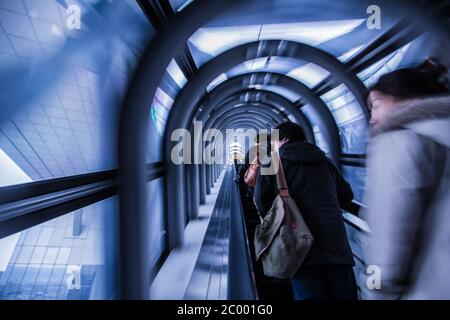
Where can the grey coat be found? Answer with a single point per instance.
(408, 198)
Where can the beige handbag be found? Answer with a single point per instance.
(282, 240)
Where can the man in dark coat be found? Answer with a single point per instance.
(320, 192)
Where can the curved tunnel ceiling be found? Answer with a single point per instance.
(316, 109)
(279, 102)
(190, 94)
(276, 100)
(237, 102)
(247, 110)
(255, 95)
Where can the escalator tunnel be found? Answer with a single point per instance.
(172, 221)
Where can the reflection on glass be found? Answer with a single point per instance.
(370, 75)
(179, 5)
(349, 117)
(60, 259)
(355, 176)
(286, 93)
(156, 227)
(11, 173)
(310, 74)
(221, 78)
(61, 87)
(160, 109)
(320, 140)
(354, 136)
(175, 72)
(350, 53)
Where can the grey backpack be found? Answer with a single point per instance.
(282, 240)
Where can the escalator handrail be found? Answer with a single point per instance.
(240, 215)
(27, 205)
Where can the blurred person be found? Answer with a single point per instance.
(319, 191)
(408, 185)
(255, 154)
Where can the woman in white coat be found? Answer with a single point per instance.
(408, 183)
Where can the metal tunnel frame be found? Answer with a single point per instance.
(183, 108)
(244, 108)
(276, 100)
(233, 106)
(236, 101)
(134, 275)
(318, 110)
(201, 176)
(196, 171)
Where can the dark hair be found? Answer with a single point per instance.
(429, 78)
(265, 137)
(290, 131)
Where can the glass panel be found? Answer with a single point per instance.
(179, 5)
(312, 33)
(288, 94)
(175, 72)
(210, 42)
(310, 74)
(355, 176)
(350, 119)
(221, 78)
(334, 93)
(349, 54)
(216, 40)
(354, 136)
(61, 121)
(385, 65)
(157, 231)
(55, 261)
(320, 140)
(160, 109)
(11, 172)
(278, 64)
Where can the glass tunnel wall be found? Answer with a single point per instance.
(66, 124)
(66, 127)
(62, 121)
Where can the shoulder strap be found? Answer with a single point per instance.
(281, 179)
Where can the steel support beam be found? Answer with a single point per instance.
(134, 233)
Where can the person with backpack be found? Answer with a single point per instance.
(319, 191)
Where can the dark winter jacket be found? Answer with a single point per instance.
(319, 191)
